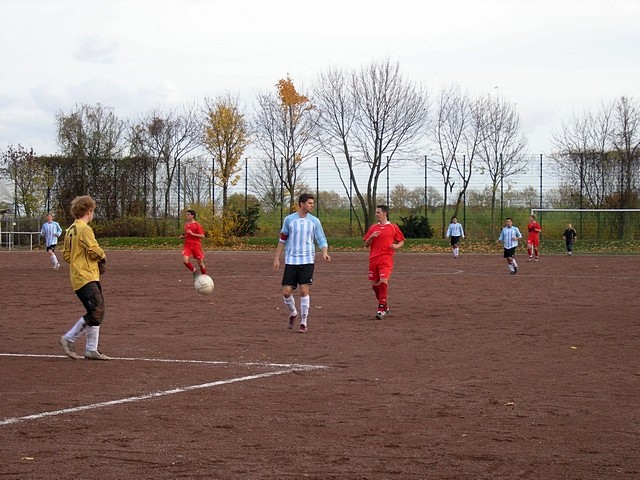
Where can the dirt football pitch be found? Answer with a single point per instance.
(475, 374)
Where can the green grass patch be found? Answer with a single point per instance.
(354, 244)
(141, 243)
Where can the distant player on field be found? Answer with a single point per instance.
(299, 233)
(570, 236)
(455, 233)
(382, 239)
(509, 237)
(51, 231)
(533, 240)
(193, 235)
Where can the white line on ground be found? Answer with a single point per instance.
(290, 369)
(168, 360)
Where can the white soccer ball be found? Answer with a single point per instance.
(204, 284)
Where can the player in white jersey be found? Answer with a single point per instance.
(51, 231)
(298, 236)
(455, 232)
(509, 237)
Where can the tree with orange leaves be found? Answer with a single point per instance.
(226, 136)
(285, 127)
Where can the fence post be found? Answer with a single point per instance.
(388, 202)
(317, 188)
(246, 189)
(426, 200)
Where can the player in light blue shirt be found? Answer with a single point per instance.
(509, 237)
(455, 233)
(51, 231)
(298, 236)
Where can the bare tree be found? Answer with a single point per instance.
(147, 142)
(434, 198)
(132, 186)
(284, 128)
(29, 175)
(337, 105)
(582, 156)
(502, 146)
(407, 200)
(369, 116)
(196, 186)
(457, 131)
(600, 152)
(525, 198)
(479, 198)
(92, 140)
(625, 139)
(329, 201)
(264, 182)
(165, 139)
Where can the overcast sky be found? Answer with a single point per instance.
(550, 58)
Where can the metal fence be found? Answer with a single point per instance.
(19, 240)
(321, 174)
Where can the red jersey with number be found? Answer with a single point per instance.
(390, 233)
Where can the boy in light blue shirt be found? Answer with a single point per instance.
(298, 236)
(509, 237)
(51, 231)
(455, 232)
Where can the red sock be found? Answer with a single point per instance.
(529, 250)
(376, 290)
(383, 294)
(190, 267)
(204, 270)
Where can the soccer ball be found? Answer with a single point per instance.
(204, 284)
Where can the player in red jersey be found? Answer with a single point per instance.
(382, 239)
(533, 240)
(193, 235)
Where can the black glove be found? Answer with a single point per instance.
(102, 265)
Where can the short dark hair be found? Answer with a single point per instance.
(384, 208)
(304, 197)
(508, 218)
(192, 212)
(453, 218)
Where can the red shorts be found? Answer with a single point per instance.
(194, 251)
(534, 240)
(380, 267)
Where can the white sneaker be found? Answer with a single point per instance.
(69, 348)
(56, 266)
(95, 355)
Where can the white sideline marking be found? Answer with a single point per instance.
(168, 360)
(53, 413)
